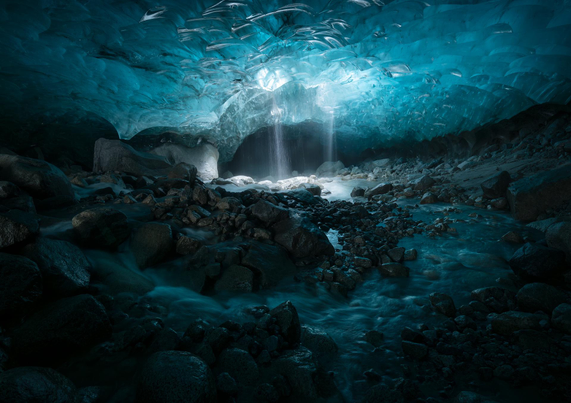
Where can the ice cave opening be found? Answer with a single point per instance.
(269, 201)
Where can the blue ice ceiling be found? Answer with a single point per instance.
(372, 70)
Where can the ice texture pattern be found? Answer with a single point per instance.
(223, 69)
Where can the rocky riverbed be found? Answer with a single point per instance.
(397, 280)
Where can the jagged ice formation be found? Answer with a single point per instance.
(373, 70)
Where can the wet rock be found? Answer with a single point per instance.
(396, 254)
(410, 255)
(115, 155)
(187, 245)
(204, 157)
(229, 203)
(269, 213)
(8, 189)
(509, 322)
(561, 318)
(358, 192)
(240, 365)
(226, 384)
(176, 376)
(17, 227)
(270, 263)
(20, 285)
(151, 243)
(317, 340)
(416, 351)
(423, 183)
(116, 277)
(363, 262)
(443, 304)
(329, 168)
(380, 189)
(394, 270)
(287, 319)
(101, 227)
(184, 171)
(61, 328)
(497, 299)
(532, 196)
(558, 236)
(236, 278)
(374, 338)
(512, 237)
(429, 198)
(64, 267)
(539, 297)
(40, 179)
(535, 262)
(302, 238)
(303, 374)
(496, 186)
(36, 385)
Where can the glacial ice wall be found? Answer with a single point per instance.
(372, 70)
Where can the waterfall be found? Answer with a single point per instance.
(331, 141)
(281, 169)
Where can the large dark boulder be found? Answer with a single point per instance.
(240, 365)
(176, 377)
(380, 189)
(236, 278)
(287, 319)
(101, 227)
(115, 155)
(64, 267)
(497, 185)
(40, 179)
(269, 213)
(539, 297)
(530, 197)
(20, 284)
(558, 236)
(270, 263)
(16, 227)
(512, 321)
(534, 262)
(151, 243)
(423, 183)
(36, 385)
(204, 157)
(302, 238)
(60, 329)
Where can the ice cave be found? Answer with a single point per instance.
(250, 201)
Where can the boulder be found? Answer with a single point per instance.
(204, 157)
(186, 245)
(380, 189)
(20, 285)
(429, 198)
(240, 365)
(269, 213)
(302, 238)
(497, 299)
(40, 179)
(539, 297)
(329, 168)
(174, 377)
(236, 278)
(530, 197)
(317, 340)
(17, 227)
(151, 243)
(375, 338)
(534, 262)
(60, 329)
(8, 190)
(561, 318)
(36, 385)
(496, 186)
(509, 322)
(416, 351)
(115, 155)
(101, 227)
(358, 192)
(185, 171)
(443, 303)
(270, 263)
(63, 265)
(423, 183)
(558, 236)
(394, 270)
(287, 319)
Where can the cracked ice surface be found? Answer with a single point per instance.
(375, 70)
